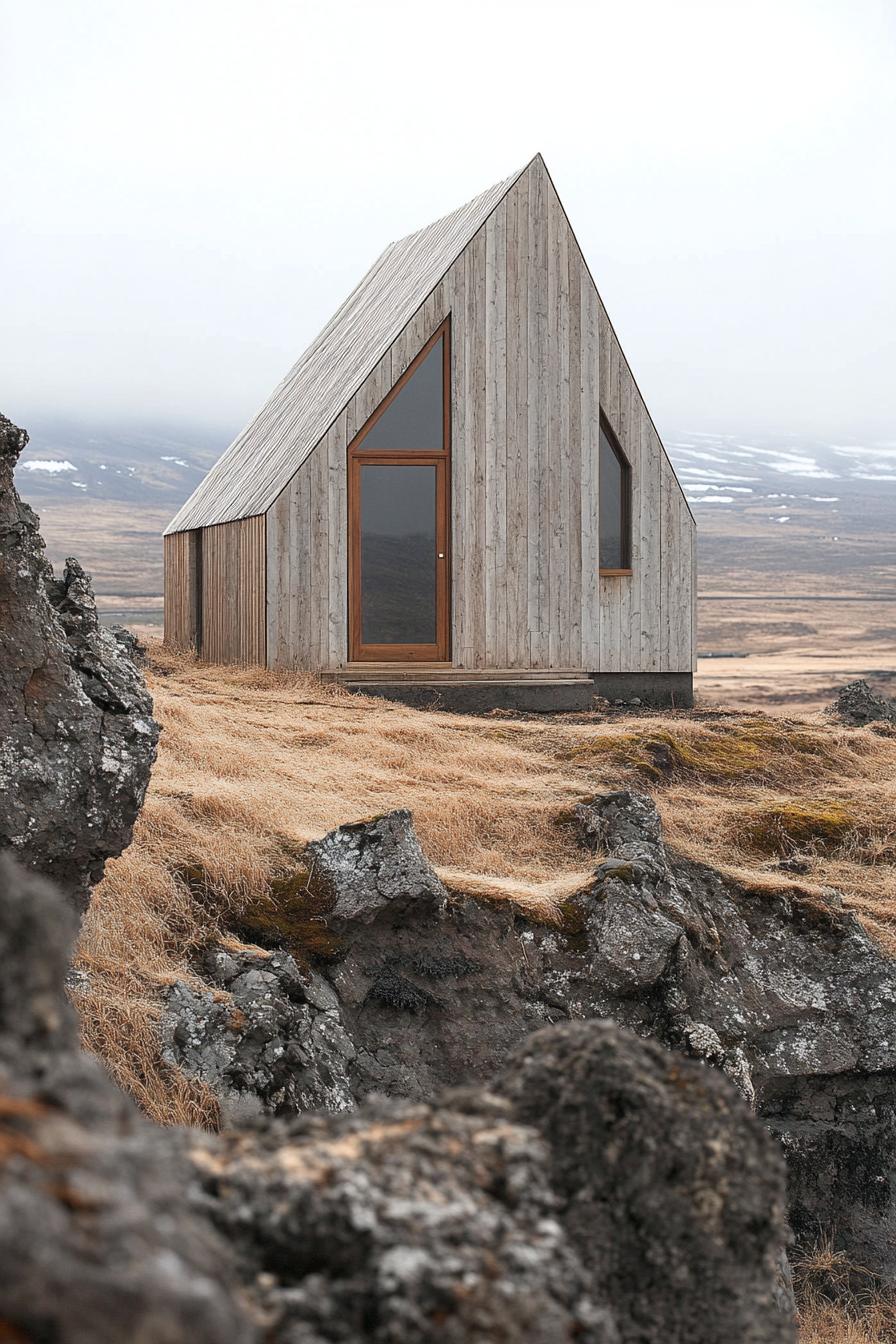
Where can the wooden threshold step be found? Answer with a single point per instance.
(446, 685)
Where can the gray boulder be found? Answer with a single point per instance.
(856, 704)
(77, 737)
(366, 867)
(403, 1224)
(670, 1190)
(274, 1037)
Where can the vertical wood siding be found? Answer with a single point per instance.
(534, 359)
(647, 620)
(233, 592)
(182, 594)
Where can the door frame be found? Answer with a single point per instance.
(440, 651)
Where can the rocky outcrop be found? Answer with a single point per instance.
(857, 705)
(785, 994)
(98, 1242)
(274, 1041)
(613, 1193)
(77, 737)
(368, 867)
(476, 1216)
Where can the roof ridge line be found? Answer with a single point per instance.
(289, 414)
(506, 182)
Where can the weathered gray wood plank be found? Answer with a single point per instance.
(589, 400)
(475, 540)
(539, 614)
(517, 424)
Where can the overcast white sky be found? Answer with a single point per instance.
(191, 188)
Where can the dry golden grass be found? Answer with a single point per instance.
(252, 765)
(839, 1302)
(871, 1321)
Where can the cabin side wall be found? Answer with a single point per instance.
(648, 618)
(182, 590)
(215, 591)
(533, 360)
(234, 592)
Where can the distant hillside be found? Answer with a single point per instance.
(150, 466)
(779, 513)
(106, 492)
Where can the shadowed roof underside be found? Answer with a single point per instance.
(263, 458)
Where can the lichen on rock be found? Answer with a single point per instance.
(273, 1038)
(77, 736)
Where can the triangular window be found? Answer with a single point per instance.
(412, 417)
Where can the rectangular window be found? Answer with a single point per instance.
(399, 527)
(615, 490)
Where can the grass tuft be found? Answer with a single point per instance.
(839, 1302)
(757, 750)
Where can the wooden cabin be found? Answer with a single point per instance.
(457, 494)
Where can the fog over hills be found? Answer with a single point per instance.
(154, 464)
(143, 465)
(791, 513)
(776, 512)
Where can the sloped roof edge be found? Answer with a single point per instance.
(251, 473)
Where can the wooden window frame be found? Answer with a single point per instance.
(357, 457)
(625, 570)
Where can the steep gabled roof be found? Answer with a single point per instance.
(263, 458)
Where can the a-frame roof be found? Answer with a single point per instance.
(263, 458)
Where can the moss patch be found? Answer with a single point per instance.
(287, 915)
(756, 749)
(293, 917)
(782, 828)
(572, 923)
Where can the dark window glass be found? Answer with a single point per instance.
(398, 555)
(413, 419)
(614, 487)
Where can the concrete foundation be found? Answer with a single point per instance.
(669, 689)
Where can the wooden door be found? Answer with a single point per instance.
(399, 490)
